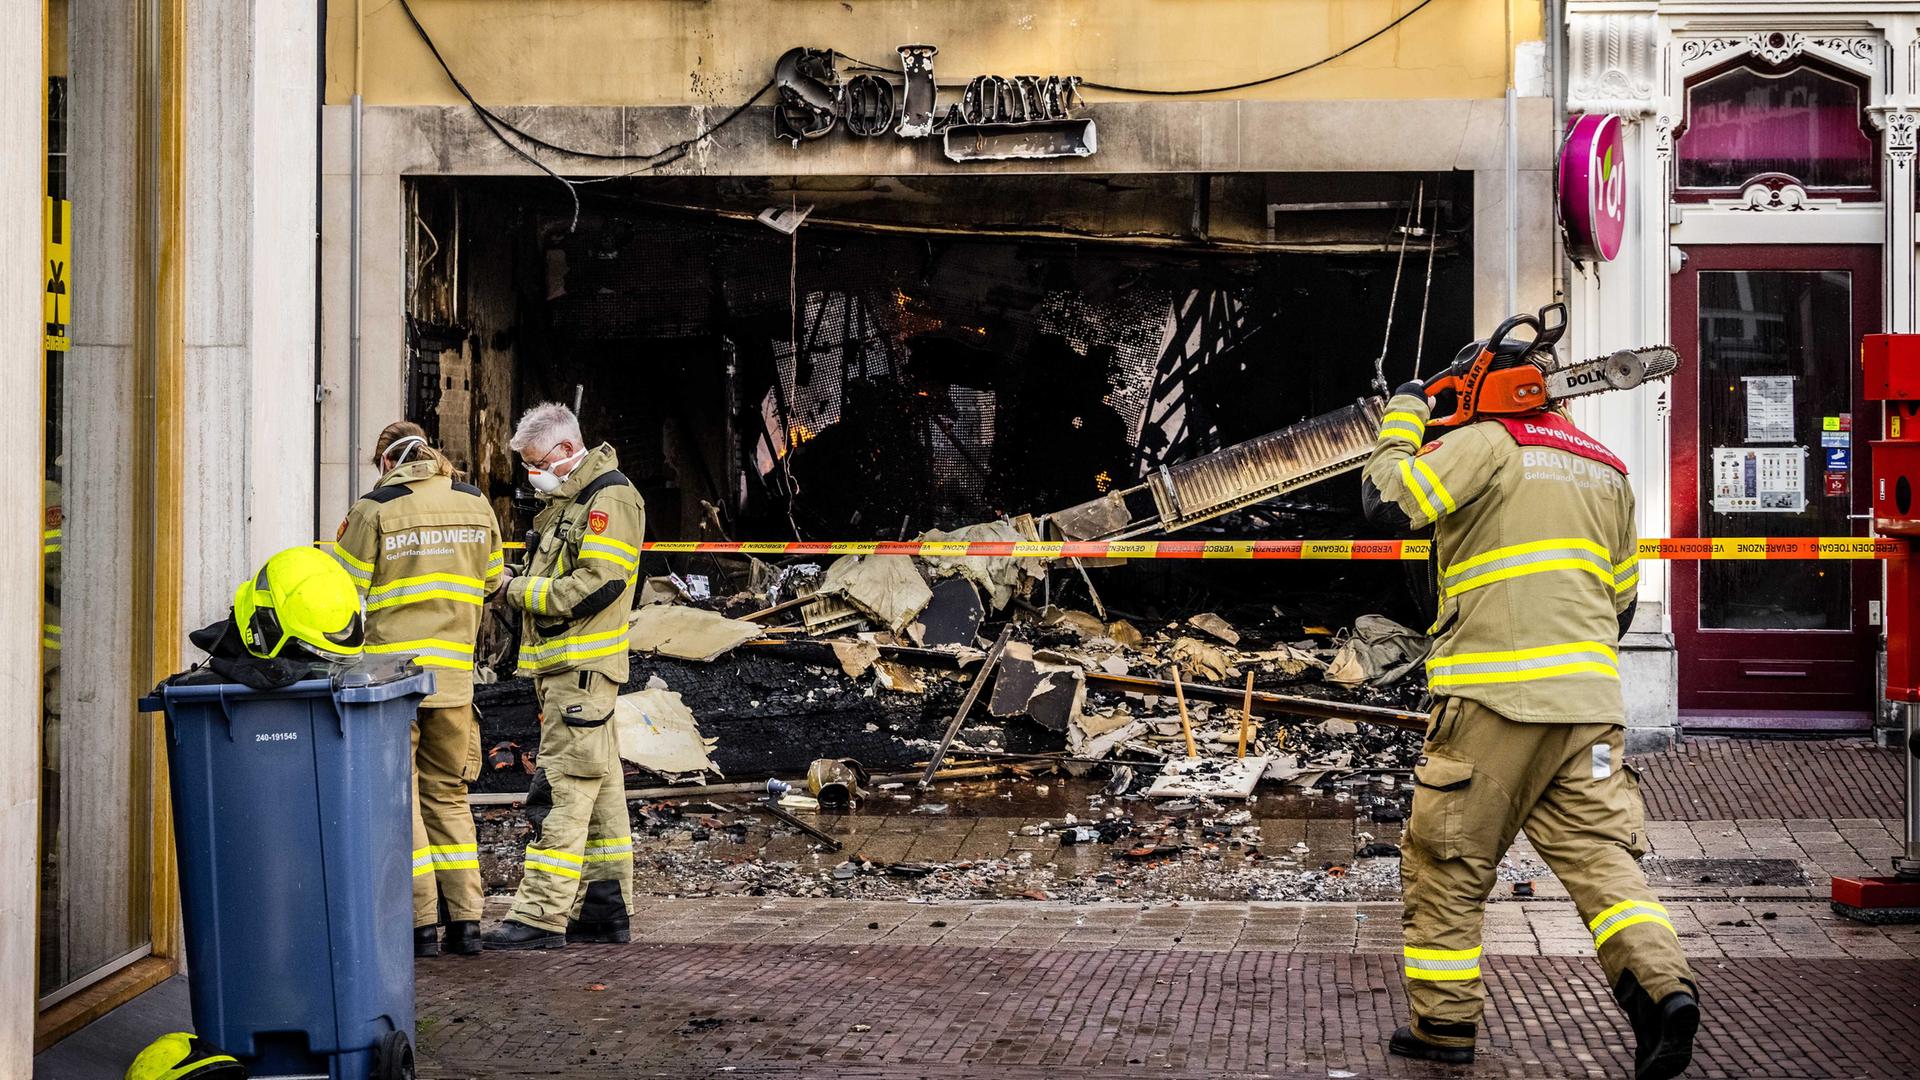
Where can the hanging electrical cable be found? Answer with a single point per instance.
(1301, 70)
(497, 126)
(1426, 295)
(1393, 298)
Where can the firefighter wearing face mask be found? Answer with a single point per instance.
(1537, 563)
(577, 593)
(424, 549)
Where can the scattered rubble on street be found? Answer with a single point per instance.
(1240, 752)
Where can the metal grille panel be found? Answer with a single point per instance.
(1259, 469)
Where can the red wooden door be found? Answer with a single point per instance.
(1770, 335)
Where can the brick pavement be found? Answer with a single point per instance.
(926, 1011)
(1706, 778)
(1802, 929)
(854, 989)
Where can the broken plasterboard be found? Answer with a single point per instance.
(887, 587)
(999, 575)
(1051, 694)
(1219, 778)
(1201, 661)
(657, 732)
(1100, 735)
(686, 633)
(952, 617)
(1208, 622)
(855, 656)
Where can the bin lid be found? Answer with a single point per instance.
(355, 686)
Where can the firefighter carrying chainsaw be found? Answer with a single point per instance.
(1536, 564)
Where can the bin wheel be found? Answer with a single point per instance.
(393, 1057)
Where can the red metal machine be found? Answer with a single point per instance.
(1890, 369)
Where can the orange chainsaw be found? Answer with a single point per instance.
(1510, 374)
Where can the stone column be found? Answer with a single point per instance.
(250, 206)
(1614, 57)
(1899, 127)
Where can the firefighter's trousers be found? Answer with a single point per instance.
(585, 837)
(1482, 778)
(446, 860)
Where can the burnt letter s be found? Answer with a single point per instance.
(808, 91)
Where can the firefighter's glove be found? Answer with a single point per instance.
(506, 574)
(1416, 388)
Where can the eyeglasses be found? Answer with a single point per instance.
(544, 464)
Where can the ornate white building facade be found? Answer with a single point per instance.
(1770, 223)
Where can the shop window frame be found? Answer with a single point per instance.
(1871, 192)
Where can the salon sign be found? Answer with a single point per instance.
(1593, 187)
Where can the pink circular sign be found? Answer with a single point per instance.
(1593, 187)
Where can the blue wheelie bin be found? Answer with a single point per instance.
(293, 823)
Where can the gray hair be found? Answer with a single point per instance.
(544, 425)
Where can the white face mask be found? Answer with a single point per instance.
(547, 481)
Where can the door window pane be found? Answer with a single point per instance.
(95, 831)
(1804, 123)
(1775, 364)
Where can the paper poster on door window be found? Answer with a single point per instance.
(1769, 408)
(1759, 481)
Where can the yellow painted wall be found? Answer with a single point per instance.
(668, 52)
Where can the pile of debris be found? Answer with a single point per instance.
(888, 845)
(881, 647)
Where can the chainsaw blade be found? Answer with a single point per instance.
(1622, 370)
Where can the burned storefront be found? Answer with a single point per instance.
(752, 347)
(891, 357)
(825, 295)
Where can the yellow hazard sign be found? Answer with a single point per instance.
(58, 272)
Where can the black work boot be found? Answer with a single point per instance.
(1408, 1043)
(603, 917)
(463, 938)
(426, 941)
(518, 935)
(1663, 1031)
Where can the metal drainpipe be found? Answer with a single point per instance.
(319, 260)
(1557, 59)
(353, 310)
(1513, 167)
(353, 255)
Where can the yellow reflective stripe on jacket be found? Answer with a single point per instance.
(625, 556)
(50, 542)
(1403, 425)
(1519, 560)
(413, 590)
(1419, 493)
(1441, 965)
(611, 849)
(361, 572)
(558, 863)
(1523, 665)
(1626, 573)
(583, 647)
(1627, 913)
(1432, 495)
(495, 562)
(431, 652)
(454, 856)
(49, 636)
(1439, 490)
(422, 862)
(536, 594)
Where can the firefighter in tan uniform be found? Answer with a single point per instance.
(1537, 564)
(575, 597)
(424, 550)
